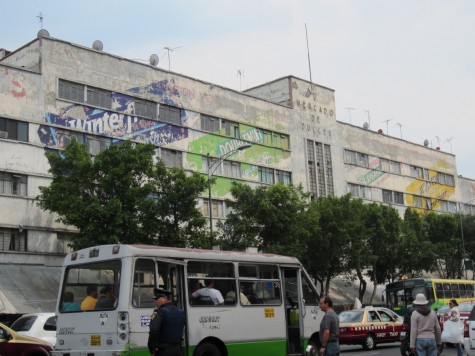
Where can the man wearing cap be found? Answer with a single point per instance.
(166, 326)
(425, 328)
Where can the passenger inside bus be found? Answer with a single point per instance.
(209, 291)
(231, 297)
(68, 302)
(106, 299)
(89, 303)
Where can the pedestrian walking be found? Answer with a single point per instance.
(329, 329)
(425, 328)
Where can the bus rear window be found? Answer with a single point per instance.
(91, 286)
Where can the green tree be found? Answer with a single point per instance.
(267, 217)
(331, 246)
(383, 230)
(113, 197)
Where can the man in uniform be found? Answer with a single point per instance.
(166, 326)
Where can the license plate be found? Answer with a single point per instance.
(403, 333)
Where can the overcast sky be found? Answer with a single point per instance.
(411, 62)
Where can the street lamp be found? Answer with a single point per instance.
(461, 231)
(211, 169)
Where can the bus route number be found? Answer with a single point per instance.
(95, 340)
(269, 313)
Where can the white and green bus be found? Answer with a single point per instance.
(283, 316)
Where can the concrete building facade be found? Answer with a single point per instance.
(52, 92)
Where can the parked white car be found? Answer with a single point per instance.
(39, 325)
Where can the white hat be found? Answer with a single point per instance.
(420, 300)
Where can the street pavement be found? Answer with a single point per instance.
(391, 349)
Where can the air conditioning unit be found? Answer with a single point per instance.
(3, 134)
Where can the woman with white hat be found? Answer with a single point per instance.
(425, 328)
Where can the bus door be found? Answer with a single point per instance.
(150, 273)
(303, 313)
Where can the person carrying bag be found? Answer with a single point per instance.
(453, 328)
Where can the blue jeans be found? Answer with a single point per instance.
(426, 347)
(459, 349)
(332, 349)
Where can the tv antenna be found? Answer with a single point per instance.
(449, 140)
(349, 112)
(308, 54)
(400, 128)
(369, 119)
(240, 74)
(170, 49)
(387, 125)
(40, 18)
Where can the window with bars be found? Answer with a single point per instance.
(169, 114)
(350, 157)
(362, 159)
(398, 198)
(232, 169)
(216, 206)
(230, 128)
(359, 191)
(71, 91)
(266, 175)
(99, 97)
(13, 240)
(328, 170)
(416, 172)
(65, 137)
(145, 108)
(209, 123)
(13, 184)
(320, 169)
(283, 177)
(97, 144)
(171, 158)
(387, 196)
(13, 129)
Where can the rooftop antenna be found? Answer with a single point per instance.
(349, 112)
(449, 140)
(400, 128)
(387, 125)
(369, 119)
(170, 49)
(240, 73)
(40, 18)
(308, 54)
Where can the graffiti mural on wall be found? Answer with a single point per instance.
(15, 84)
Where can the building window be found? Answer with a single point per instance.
(99, 97)
(209, 123)
(385, 166)
(216, 206)
(359, 191)
(97, 144)
(350, 157)
(449, 180)
(362, 159)
(443, 178)
(171, 158)
(416, 172)
(230, 128)
(417, 201)
(266, 137)
(170, 114)
(13, 184)
(266, 175)
(146, 108)
(13, 129)
(283, 177)
(280, 140)
(398, 198)
(395, 167)
(71, 91)
(65, 137)
(387, 196)
(425, 174)
(12, 240)
(232, 169)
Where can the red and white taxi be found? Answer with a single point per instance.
(369, 326)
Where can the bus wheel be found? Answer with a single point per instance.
(369, 343)
(207, 350)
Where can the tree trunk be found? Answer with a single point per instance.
(375, 284)
(362, 286)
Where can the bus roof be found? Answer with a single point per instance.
(434, 280)
(102, 252)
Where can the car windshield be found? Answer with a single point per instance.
(350, 316)
(24, 323)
